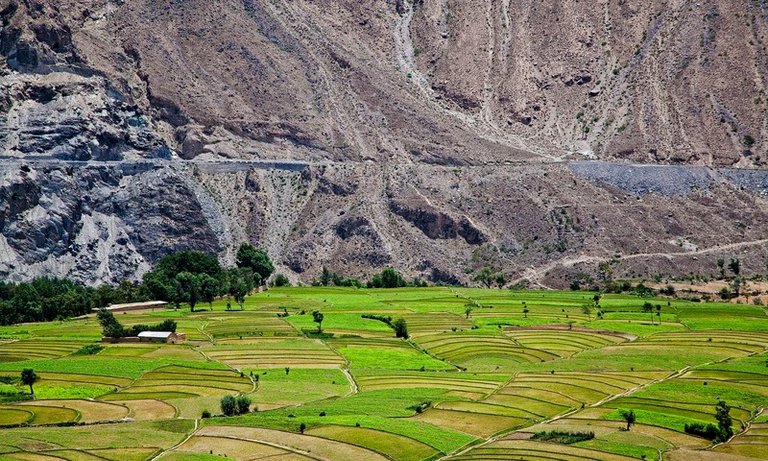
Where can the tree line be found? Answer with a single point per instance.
(187, 277)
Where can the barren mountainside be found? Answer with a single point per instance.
(432, 136)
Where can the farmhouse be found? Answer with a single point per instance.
(161, 337)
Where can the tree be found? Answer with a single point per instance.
(485, 276)
(256, 260)
(209, 289)
(401, 328)
(110, 327)
(735, 266)
(240, 284)
(302, 427)
(228, 405)
(390, 278)
(525, 310)
(629, 417)
(317, 317)
(648, 308)
(724, 421)
(29, 378)
(468, 308)
(587, 310)
(243, 404)
(187, 289)
(501, 280)
(281, 280)
(721, 267)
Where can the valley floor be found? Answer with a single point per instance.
(482, 376)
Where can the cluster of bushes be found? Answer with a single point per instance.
(191, 277)
(328, 278)
(561, 437)
(45, 299)
(231, 406)
(112, 328)
(720, 433)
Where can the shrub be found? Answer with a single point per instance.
(401, 328)
(206, 414)
(228, 405)
(90, 349)
(566, 438)
(281, 280)
(243, 404)
(708, 431)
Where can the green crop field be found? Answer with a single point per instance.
(474, 384)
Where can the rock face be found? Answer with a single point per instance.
(435, 136)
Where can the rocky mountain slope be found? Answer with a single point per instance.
(433, 136)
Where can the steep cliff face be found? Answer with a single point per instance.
(430, 135)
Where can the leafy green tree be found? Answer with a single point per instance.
(501, 280)
(401, 328)
(187, 289)
(110, 327)
(318, 317)
(241, 283)
(281, 280)
(724, 420)
(525, 310)
(735, 266)
(468, 308)
(485, 276)
(228, 405)
(243, 404)
(648, 309)
(629, 417)
(29, 378)
(256, 260)
(390, 278)
(302, 427)
(209, 289)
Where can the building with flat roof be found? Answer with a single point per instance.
(161, 337)
(134, 306)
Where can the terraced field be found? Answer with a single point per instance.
(37, 349)
(478, 385)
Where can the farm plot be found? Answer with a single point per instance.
(286, 442)
(277, 388)
(534, 451)
(564, 343)
(173, 381)
(89, 411)
(420, 324)
(274, 353)
(40, 414)
(37, 349)
(673, 413)
(247, 324)
(129, 441)
(480, 352)
(391, 445)
(729, 343)
(542, 395)
(386, 354)
(466, 386)
(753, 443)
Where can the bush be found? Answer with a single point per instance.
(206, 414)
(281, 280)
(228, 405)
(401, 328)
(565, 438)
(708, 431)
(91, 349)
(243, 404)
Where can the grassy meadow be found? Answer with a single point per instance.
(468, 384)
